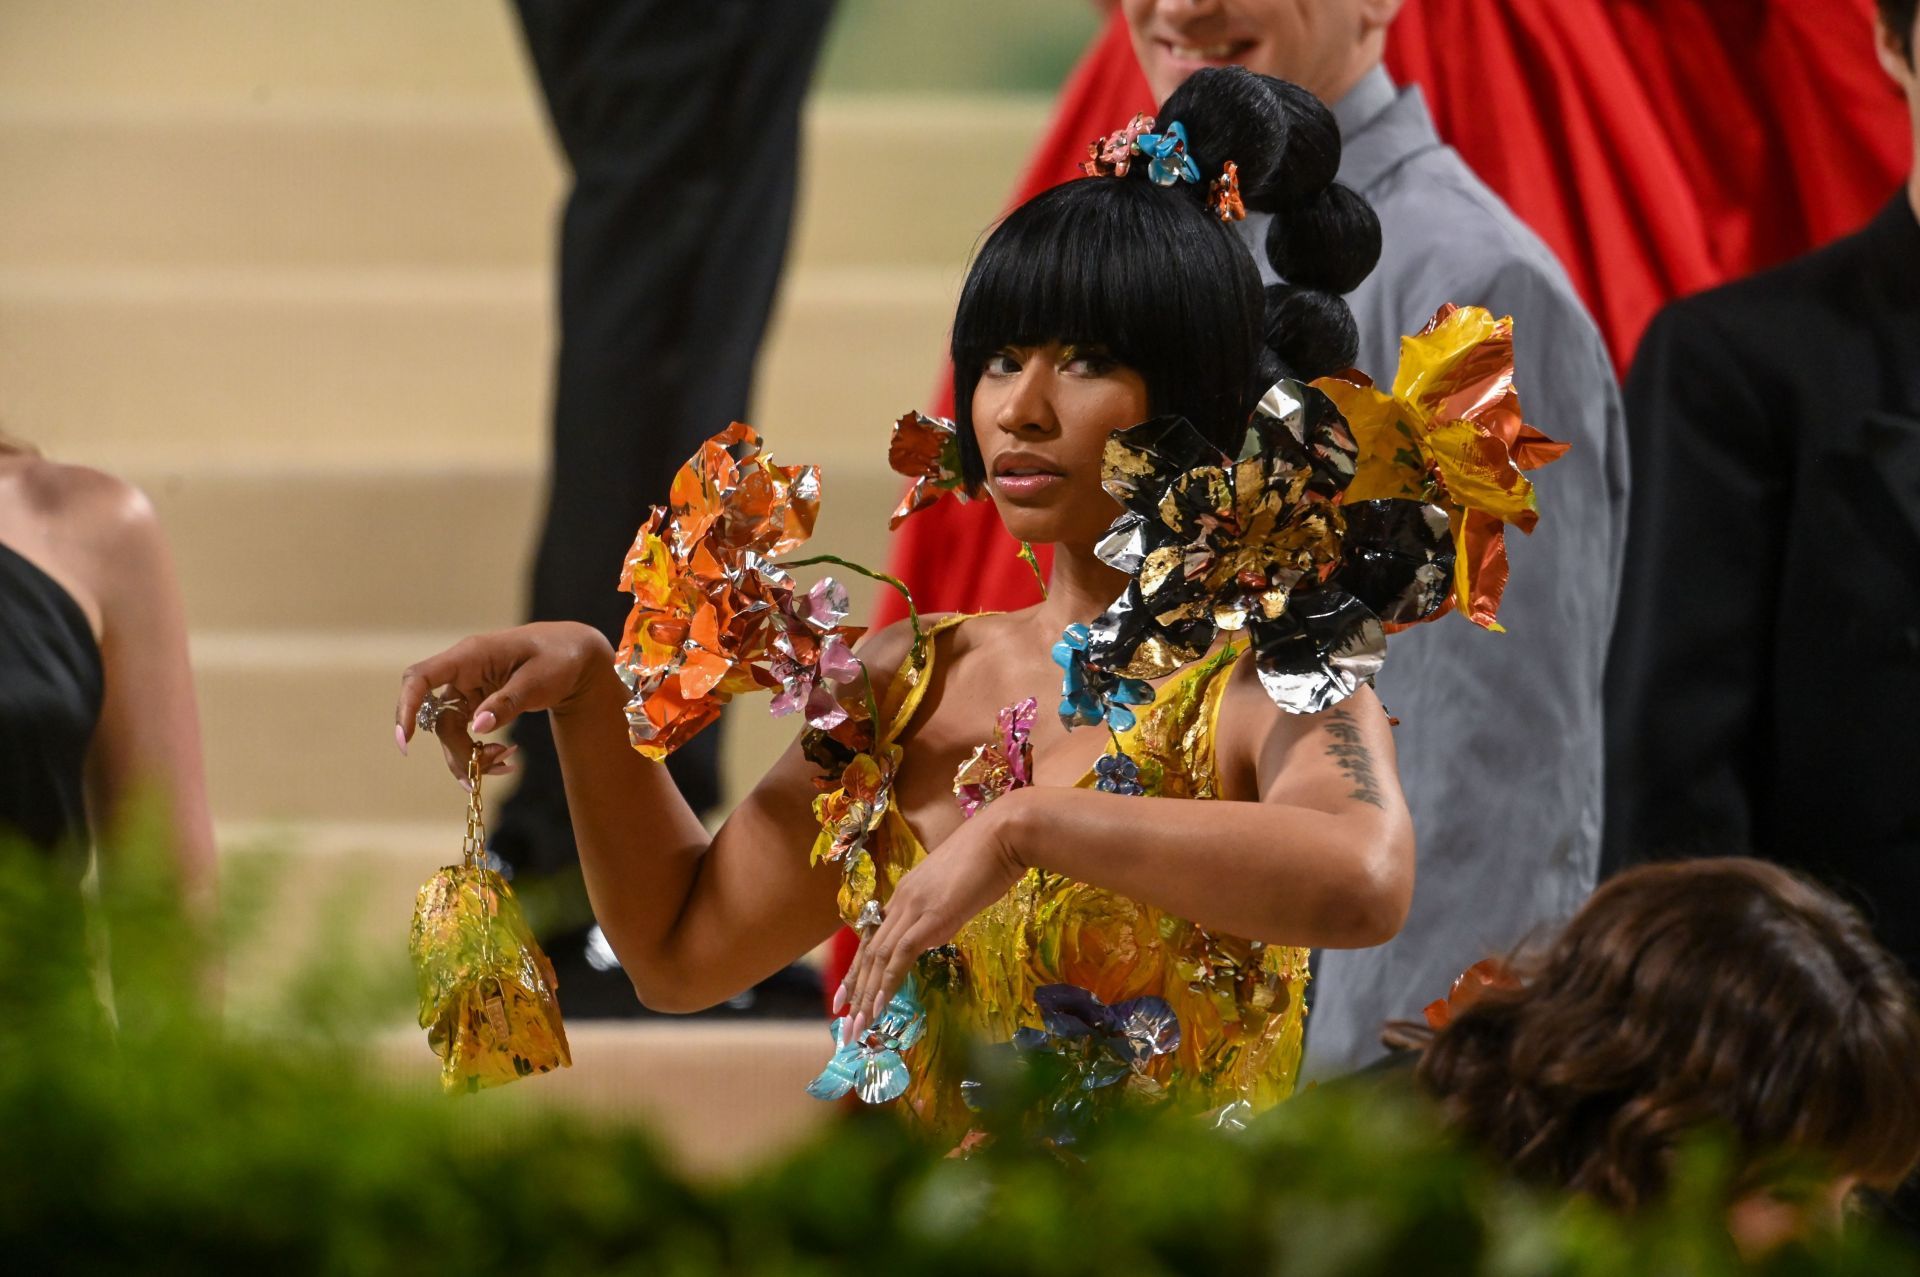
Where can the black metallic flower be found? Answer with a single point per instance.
(1262, 543)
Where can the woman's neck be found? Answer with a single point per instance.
(1080, 588)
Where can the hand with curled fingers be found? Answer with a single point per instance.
(933, 901)
(484, 682)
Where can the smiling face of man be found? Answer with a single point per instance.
(1323, 45)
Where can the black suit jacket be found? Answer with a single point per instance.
(1763, 691)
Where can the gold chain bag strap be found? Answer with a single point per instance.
(487, 992)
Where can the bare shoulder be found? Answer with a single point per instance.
(884, 650)
(105, 535)
(1259, 741)
(93, 509)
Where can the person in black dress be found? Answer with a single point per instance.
(97, 711)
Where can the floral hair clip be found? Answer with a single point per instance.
(1223, 195)
(1167, 156)
(1112, 155)
(1168, 162)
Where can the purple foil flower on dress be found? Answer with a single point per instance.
(1118, 774)
(1001, 767)
(1105, 1043)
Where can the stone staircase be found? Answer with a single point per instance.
(287, 265)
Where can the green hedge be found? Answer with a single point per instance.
(167, 1145)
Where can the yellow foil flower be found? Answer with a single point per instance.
(1451, 433)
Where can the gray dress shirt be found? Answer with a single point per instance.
(1499, 742)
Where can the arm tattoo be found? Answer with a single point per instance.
(1353, 758)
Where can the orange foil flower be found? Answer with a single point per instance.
(1451, 433)
(927, 451)
(1472, 984)
(705, 595)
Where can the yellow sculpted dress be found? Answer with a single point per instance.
(1238, 1002)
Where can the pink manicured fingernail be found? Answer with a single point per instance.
(484, 722)
(840, 998)
(858, 1027)
(467, 785)
(400, 738)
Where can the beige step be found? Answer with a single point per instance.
(721, 1097)
(348, 183)
(289, 547)
(128, 368)
(298, 727)
(358, 182)
(304, 895)
(249, 49)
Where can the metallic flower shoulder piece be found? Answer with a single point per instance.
(1451, 434)
(1266, 543)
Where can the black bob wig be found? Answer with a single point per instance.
(1152, 277)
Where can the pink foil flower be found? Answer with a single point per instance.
(1001, 767)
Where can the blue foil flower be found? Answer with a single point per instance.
(874, 1067)
(1090, 695)
(1106, 1042)
(1117, 774)
(1168, 161)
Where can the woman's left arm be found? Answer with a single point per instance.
(1319, 853)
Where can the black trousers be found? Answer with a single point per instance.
(682, 126)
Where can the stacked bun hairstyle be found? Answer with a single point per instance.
(1154, 278)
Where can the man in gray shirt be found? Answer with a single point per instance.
(1500, 734)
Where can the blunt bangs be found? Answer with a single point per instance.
(1143, 273)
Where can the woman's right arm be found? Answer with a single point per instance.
(694, 918)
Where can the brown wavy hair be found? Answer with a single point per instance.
(1727, 995)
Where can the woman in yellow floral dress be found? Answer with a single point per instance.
(1138, 896)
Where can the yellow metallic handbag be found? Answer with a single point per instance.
(487, 992)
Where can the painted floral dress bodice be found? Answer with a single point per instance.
(1238, 1002)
